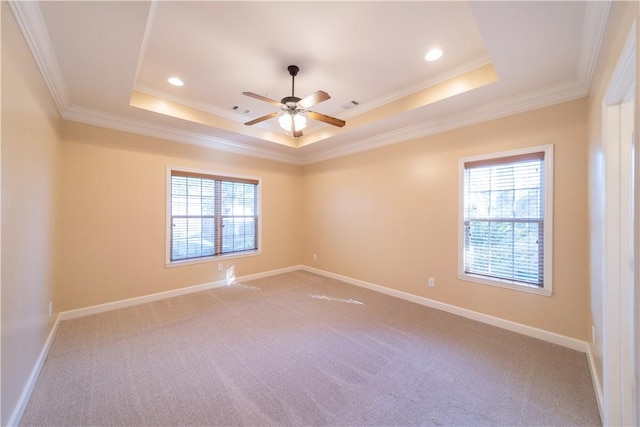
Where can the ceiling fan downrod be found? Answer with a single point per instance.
(292, 100)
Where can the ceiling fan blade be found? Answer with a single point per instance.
(263, 98)
(313, 99)
(326, 119)
(263, 118)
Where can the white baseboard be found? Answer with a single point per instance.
(495, 321)
(18, 411)
(269, 273)
(597, 386)
(94, 309)
(101, 308)
(529, 331)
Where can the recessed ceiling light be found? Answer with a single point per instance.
(175, 81)
(433, 55)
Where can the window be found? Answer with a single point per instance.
(506, 219)
(211, 215)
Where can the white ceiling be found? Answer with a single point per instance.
(107, 64)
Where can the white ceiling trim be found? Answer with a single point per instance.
(384, 100)
(145, 39)
(551, 95)
(93, 117)
(194, 104)
(346, 114)
(529, 101)
(31, 23)
(595, 24)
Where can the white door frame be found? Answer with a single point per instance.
(620, 307)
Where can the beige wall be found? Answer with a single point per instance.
(83, 212)
(30, 154)
(114, 215)
(390, 217)
(621, 18)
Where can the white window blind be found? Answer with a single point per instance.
(504, 218)
(212, 215)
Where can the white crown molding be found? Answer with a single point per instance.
(564, 92)
(533, 100)
(31, 23)
(93, 117)
(346, 113)
(593, 30)
(623, 76)
(190, 103)
(552, 95)
(220, 112)
(406, 91)
(145, 38)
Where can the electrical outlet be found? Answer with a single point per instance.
(315, 257)
(432, 282)
(50, 308)
(220, 267)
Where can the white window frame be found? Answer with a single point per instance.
(168, 261)
(547, 288)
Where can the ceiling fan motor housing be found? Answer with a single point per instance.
(290, 101)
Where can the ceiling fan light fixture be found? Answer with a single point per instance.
(286, 119)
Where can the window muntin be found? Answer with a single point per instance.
(211, 215)
(506, 205)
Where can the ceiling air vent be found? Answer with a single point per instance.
(240, 109)
(350, 104)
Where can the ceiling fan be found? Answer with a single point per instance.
(294, 110)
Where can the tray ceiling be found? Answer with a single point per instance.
(107, 64)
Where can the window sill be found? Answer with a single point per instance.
(506, 284)
(219, 258)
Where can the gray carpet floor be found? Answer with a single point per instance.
(301, 349)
